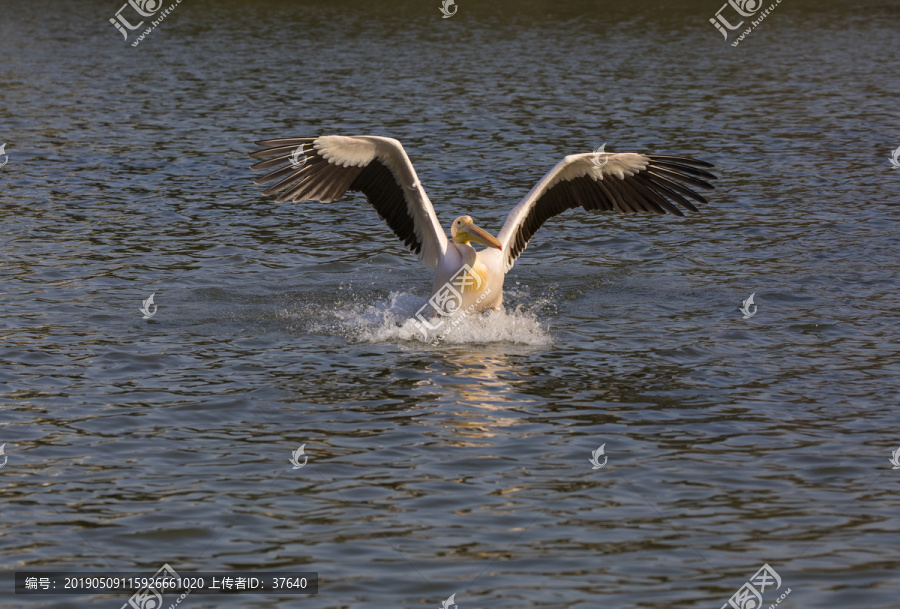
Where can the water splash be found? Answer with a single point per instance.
(391, 319)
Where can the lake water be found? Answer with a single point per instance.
(461, 468)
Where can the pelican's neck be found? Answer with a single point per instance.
(468, 253)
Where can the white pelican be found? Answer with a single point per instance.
(380, 169)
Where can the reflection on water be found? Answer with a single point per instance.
(477, 384)
(463, 467)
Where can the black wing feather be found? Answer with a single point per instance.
(318, 179)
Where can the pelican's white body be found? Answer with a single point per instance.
(487, 264)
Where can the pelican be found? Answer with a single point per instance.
(379, 168)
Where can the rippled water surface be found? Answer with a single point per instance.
(461, 468)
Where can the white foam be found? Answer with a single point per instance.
(393, 319)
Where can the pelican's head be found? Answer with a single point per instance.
(464, 230)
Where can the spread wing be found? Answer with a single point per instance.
(627, 183)
(326, 167)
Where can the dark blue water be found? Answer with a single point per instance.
(462, 468)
